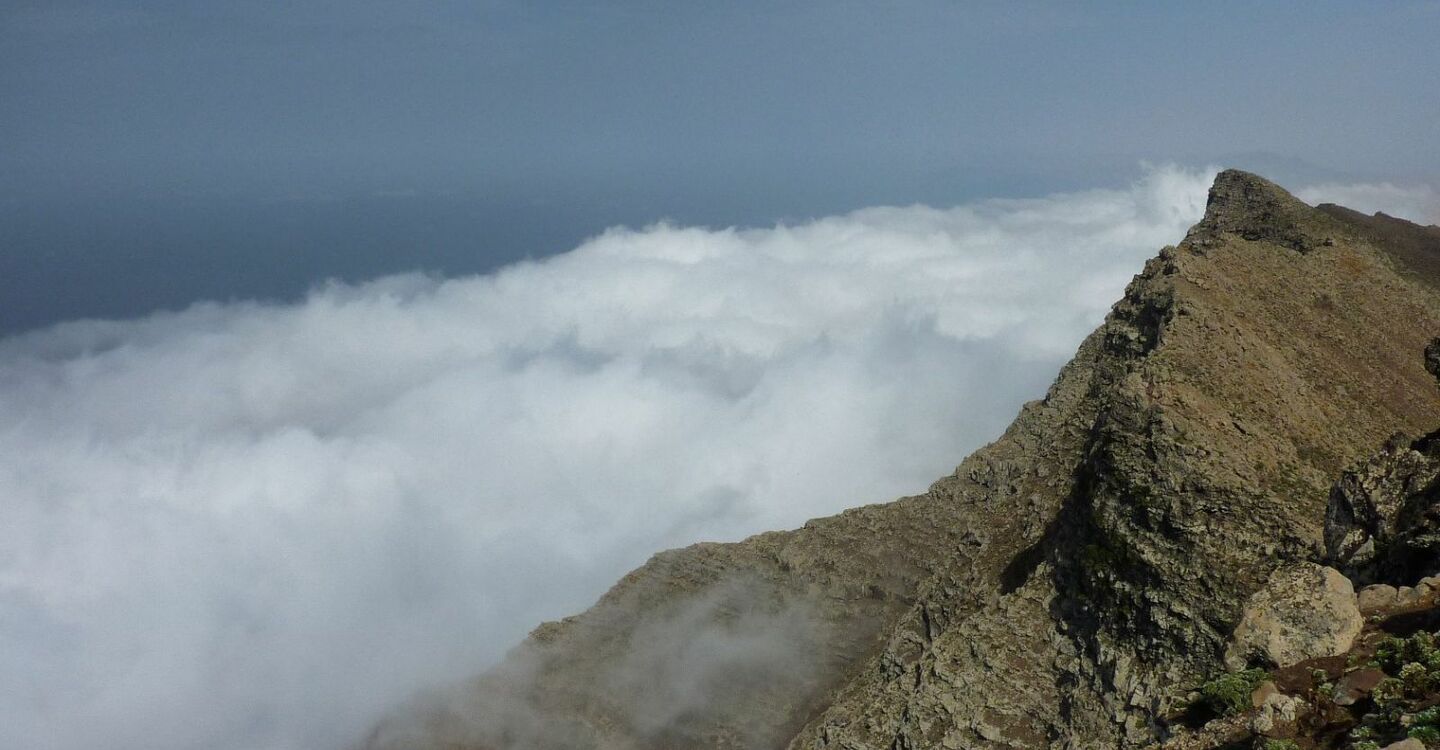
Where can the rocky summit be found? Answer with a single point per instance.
(1187, 514)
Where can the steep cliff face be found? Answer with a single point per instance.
(1069, 581)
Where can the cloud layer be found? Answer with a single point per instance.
(252, 525)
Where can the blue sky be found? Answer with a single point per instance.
(161, 152)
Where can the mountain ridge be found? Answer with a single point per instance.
(1063, 584)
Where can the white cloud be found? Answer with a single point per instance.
(260, 526)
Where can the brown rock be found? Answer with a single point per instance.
(1409, 743)
(1356, 685)
(1303, 611)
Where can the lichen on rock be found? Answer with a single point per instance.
(1304, 611)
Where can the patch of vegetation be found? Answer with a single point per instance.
(1417, 678)
(1388, 691)
(1427, 734)
(1428, 717)
(1403, 703)
(1394, 654)
(1229, 694)
(1280, 745)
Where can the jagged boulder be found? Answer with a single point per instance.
(1383, 519)
(1302, 612)
(1381, 523)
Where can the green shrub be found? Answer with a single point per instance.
(1388, 691)
(1394, 654)
(1428, 717)
(1230, 693)
(1416, 678)
(1280, 745)
(1366, 745)
(1426, 734)
(1389, 654)
(1420, 647)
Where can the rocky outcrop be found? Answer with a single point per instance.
(1383, 519)
(1064, 581)
(1254, 210)
(1357, 672)
(1383, 690)
(1304, 611)
(1383, 523)
(1354, 671)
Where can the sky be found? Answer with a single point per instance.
(156, 153)
(343, 343)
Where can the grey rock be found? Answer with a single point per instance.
(1278, 711)
(1376, 598)
(1262, 693)
(1382, 522)
(1302, 612)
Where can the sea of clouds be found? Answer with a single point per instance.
(263, 525)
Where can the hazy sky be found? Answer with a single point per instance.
(158, 152)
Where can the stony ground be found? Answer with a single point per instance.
(1382, 690)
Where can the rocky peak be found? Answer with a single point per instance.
(1256, 209)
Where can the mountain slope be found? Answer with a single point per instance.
(1068, 579)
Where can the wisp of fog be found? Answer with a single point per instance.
(264, 525)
